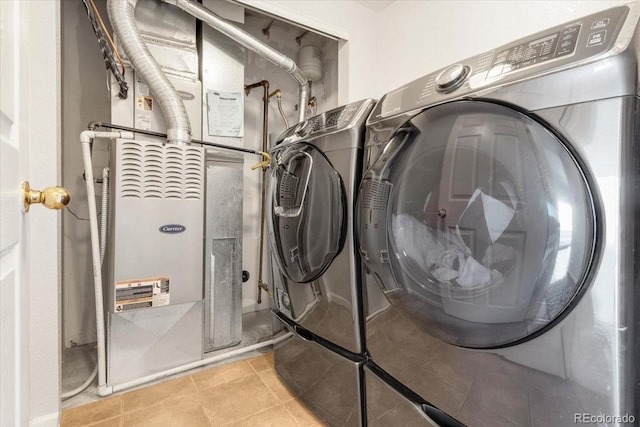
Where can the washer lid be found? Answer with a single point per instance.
(478, 221)
(306, 207)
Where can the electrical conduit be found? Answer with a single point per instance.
(104, 210)
(121, 15)
(205, 15)
(86, 139)
(103, 246)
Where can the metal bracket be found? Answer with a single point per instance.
(266, 29)
(299, 38)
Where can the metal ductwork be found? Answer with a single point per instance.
(121, 15)
(247, 40)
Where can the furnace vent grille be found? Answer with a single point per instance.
(160, 171)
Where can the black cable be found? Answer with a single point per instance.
(79, 218)
(107, 52)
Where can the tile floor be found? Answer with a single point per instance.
(79, 361)
(243, 393)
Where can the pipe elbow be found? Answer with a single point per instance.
(86, 136)
(104, 390)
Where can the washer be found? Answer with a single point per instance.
(314, 176)
(497, 221)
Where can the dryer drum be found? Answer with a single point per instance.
(488, 224)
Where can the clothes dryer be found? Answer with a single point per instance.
(315, 172)
(498, 218)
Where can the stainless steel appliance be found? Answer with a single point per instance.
(498, 224)
(315, 172)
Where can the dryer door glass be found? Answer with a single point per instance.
(489, 229)
(307, 212)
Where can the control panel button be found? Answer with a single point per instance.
(568, 40)
(451, 77)
(494, 71)
(600, 23)
(597, 38)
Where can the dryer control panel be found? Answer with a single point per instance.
(569, 45)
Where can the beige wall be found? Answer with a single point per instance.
(348, 20)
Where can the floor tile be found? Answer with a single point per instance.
(274, 417)
(156, 394)
(182, 411)
(245, 393)
(303, 415)
(235, 400)
(262, 363)
(222, 374)
(277, 387)
(111, 422)
(473, 413)
(92, 413)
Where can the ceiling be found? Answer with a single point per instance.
(375, 5)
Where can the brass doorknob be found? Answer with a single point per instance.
(50, 197)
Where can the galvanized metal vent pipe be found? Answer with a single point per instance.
(250, 42)
(121, 15)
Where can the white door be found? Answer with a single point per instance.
(29, 265)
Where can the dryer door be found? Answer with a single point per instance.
(478, 222)
(307, 212)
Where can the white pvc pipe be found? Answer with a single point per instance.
(103, 246)
(192, 365)
(85, 138)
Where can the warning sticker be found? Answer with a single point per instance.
(143, 121)
(143, 293)
(144, 103)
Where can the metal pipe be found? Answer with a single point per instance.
(265, 147)
(121, 15)
(93, 125)
(278, 95)
(250, 42)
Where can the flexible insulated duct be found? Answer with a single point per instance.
(247, 40)
(121, 15)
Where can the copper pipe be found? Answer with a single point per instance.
(265, 136)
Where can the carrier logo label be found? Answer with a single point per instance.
(172, 228)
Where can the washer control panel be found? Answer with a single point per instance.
(451, 77)
(572, 44)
